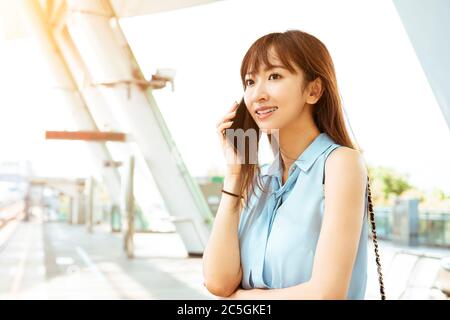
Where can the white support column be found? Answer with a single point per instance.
(90, 189)
(107, 56)
(129, 207)
(27, 203)
(427, 24)
(81, 213)
(75, 209)
(105, 121)
(67, 91)
(70, 210)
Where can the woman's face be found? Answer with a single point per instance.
(274, 96)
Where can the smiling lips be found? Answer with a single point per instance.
(265, 112)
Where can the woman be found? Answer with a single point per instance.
(283, 231)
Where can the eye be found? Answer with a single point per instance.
(275, 74)
(248, 82)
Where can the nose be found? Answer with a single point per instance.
(259, 92)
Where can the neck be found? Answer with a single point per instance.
(295, 138)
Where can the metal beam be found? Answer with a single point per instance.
(86, 136)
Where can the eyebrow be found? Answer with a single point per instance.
(267, 69)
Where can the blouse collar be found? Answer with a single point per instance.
(306, 159)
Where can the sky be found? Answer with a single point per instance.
(389, 103)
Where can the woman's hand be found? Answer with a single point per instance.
(243, 294)
(237, 295)
(233, 166)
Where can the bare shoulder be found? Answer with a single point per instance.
(344, 162)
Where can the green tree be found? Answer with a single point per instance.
(390, 182)
(441, 194)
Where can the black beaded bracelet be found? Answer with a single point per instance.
(232, 194)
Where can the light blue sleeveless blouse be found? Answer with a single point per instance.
(279, 230)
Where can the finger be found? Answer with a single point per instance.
(229, 116)
(230, 111)
(226, 118)
(234, 106)
(224, 126)
(221, 120)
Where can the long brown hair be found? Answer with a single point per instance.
(311, 56)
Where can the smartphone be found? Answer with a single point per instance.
(241, 116)
(243, 120)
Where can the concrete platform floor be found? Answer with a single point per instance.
(55, 260)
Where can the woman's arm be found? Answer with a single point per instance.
(221, 259)
(345, 184)
(304, 291)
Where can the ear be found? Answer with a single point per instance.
(315, 91)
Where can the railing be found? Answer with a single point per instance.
(434, 227)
